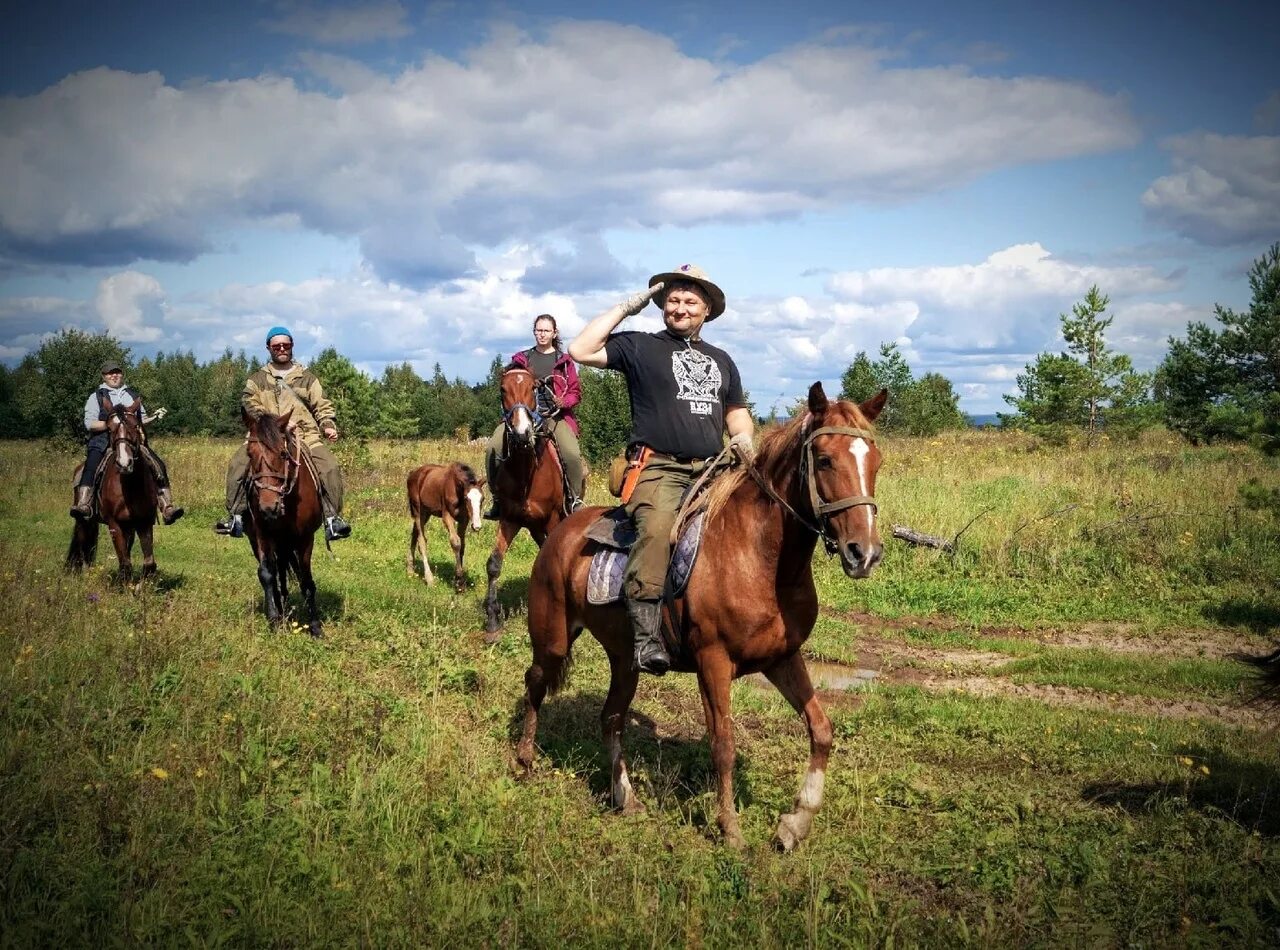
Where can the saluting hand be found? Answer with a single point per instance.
(637, 302)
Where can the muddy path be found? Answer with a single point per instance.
(1112, 637)
(882, 660)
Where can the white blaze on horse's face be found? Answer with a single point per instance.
(861, 452)
(522, 422)
(474, 498)
(124, 456)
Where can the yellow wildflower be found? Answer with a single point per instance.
(159, 773)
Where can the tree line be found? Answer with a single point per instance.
(1218, 383)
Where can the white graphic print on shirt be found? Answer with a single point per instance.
(698, 377)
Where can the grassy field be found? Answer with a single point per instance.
(1048, 746)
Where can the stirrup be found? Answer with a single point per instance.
(492, 514)
(233, 527)
(172, 514)
(335, 529)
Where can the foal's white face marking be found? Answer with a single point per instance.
(474, 496)
(860, 449)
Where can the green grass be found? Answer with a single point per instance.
(173, 772)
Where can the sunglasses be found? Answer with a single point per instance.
(280, 346)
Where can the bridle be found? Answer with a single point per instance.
(820, 523)
(262, 477)
(536, 418)
(121, 433)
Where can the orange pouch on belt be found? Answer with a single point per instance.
(625, 472)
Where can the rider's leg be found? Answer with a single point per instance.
(237, 493)
(571, 459)
(82, 505)
(491, 470)
(653, 505)
(169, 512)
(331, 491)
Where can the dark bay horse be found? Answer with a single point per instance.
(527, 486)
(284, 513)
(749, 605)
(126, 499)
(452, 493)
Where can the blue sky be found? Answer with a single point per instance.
(418, 181)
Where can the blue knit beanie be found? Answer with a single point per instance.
(279, 331)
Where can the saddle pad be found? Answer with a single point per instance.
(604, 580)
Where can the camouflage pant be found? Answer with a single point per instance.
(654, 504)
(326, 466)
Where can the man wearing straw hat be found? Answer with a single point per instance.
(685, 394)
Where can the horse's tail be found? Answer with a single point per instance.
(1266, 676)
(84, 545)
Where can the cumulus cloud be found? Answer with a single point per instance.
(340, 25)
(131, 306)
(977, 324)
(1225, 189)
(521, 139)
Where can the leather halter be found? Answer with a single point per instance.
(120, 433)
(822, 510)
(285, 482)
(537, 418)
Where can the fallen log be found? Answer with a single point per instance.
(919, 538)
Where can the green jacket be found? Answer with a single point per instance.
(299, 390)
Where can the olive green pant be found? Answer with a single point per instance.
(326, 466)
(566, 445)
(653, 505)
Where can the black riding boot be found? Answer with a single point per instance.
(646, 624)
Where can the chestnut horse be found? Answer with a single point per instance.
(527, 486)
(454, 494)
(749, 605)
(126, 498)
(284, 513)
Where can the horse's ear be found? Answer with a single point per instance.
(247, 417)
(817, 399)
(875, 405)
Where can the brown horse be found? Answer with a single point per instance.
(454, 494)
(749, 605)
(284, 513)
(126, 498)
(527, 486)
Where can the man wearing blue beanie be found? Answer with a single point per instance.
(279, 386)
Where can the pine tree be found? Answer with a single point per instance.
(1225, 384)
(1086, 388)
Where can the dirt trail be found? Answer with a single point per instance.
(1114, 637)
(891, 661)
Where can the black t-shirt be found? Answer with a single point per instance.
(679, 391)
(541, 364)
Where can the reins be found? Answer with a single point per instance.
(289, 479)
(822, 510)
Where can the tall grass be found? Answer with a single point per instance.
(171, 771)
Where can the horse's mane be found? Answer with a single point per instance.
(268, 433)
(466, 472)
(778, 452)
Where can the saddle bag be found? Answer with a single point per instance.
(624, 471)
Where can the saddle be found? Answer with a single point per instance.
(614, 532)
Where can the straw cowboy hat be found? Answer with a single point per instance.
(694, 274)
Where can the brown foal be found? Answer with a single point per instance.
(453, 494)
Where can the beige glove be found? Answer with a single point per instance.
(637, 302)
(743, 446)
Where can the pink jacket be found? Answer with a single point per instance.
(564, 385)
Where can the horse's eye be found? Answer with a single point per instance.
(824, 462)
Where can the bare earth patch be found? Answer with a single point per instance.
(1115, 637)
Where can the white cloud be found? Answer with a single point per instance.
(131, 306)
(520, 139)
(383, 20)
(1225, 189)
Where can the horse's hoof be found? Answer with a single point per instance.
(492, 636)
(735, 840)
(316, 631)
(788, 835)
